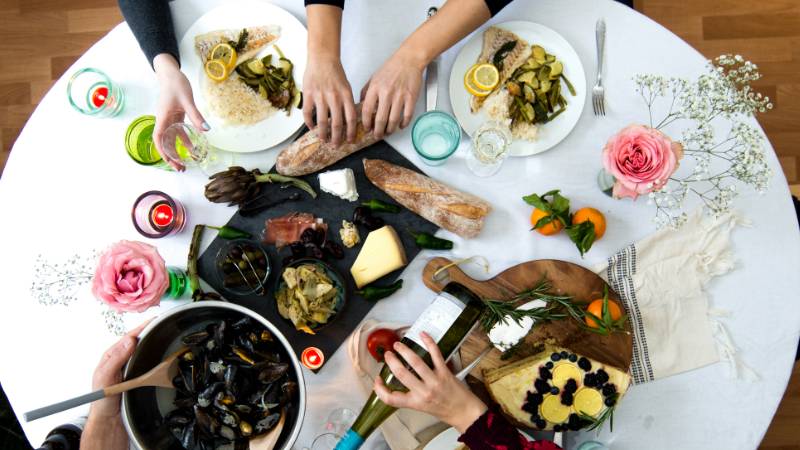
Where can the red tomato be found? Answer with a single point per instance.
(380, 341)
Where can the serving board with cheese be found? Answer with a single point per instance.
(377, 252)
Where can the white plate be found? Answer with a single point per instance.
(236, 15)
(448, 440)
(550, 133)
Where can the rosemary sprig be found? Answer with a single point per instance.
(500, 311)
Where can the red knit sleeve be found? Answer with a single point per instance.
(493, 432)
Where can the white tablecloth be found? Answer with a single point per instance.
(68, 188)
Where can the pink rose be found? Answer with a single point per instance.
(130, 277)
(641, 159)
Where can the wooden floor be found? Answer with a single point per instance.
(39, 39)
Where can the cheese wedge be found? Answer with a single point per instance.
(381, 254)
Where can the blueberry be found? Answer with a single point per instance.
(544, 373)
(540, 423)
(541, 386)
(554, 390)
(530, 408)
(564, 354)
(571, 385)
(584, 364)
(549, 364)
(566, 398)
(610, 401)
(534, 398)
(573, 357)
(590, 380)
(575, 423)
(556, 428)
(602, 376)
(609, 389)
(555, 357)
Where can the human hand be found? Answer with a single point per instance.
(435, 391)
(175, 101)
(326, 90)
(389, 97)
(109, 372)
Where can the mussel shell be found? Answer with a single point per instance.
(205, 398)
(267, 423)
(271, 372)
(196, 338)
(206, 421)
(189, 436)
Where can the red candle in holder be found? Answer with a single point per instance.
(156, 214)
(312, 357)
(99, 96)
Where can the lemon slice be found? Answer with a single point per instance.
(472, 88)
(226, 54)
(486, 76)
(216, 70)
(553, 410)
(588, 401)
(563, 372)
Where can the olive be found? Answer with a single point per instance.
(334, 249)
(372, 223)
(314, 251)
(298, 249)
(359, 214)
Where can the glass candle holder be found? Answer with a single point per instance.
(435, 136)
(156, 214)
(178, 282)
(489, 149)
(91, 92)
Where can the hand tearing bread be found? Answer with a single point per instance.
(453, 210)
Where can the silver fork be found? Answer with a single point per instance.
(598, 92)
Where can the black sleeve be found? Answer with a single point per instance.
(496, 5)
(339, 3)
(151, 23)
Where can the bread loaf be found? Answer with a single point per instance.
(453, 210)
(309, 154)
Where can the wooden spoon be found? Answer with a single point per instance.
(160, 376)
(267, 441)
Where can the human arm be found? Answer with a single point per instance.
(390, 95)
(151, 24)
(326, 90)
(104, 429)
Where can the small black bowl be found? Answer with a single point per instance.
(333, 274)
(222, 254)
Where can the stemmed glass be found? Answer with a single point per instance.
(339, 421)
(489, 149)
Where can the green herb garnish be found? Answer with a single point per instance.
(557, 208)
(241, 42)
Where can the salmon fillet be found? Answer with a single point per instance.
(493, 39)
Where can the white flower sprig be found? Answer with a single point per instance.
(721, 98)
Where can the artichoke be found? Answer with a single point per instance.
(237, 185)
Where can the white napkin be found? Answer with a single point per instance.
(661, 281)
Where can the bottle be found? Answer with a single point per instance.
(65, 437)
(448, 320)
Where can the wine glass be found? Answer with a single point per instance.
(489, 149)
(192, 147)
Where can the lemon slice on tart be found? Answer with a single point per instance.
(485, 76)
(224, 53)
(216, 70)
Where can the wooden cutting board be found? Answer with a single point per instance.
(566, 278)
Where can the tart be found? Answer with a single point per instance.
(556, 389)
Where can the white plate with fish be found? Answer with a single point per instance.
(241, 119)
(448, 440)
(529, 139)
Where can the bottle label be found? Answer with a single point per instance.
(350, 441)
(437, 318)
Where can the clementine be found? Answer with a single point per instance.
(596, 217)
(547, 229)
(596, 309)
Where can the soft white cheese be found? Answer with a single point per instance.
(341, 183)
(506, 335)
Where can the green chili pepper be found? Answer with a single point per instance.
(373, 293)
(228, 232)
(380, 206)
(427, 240)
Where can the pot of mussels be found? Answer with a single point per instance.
(236, 377)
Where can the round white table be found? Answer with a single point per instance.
(68, 188)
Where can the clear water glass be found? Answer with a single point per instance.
(489, 149)
(435, 136)
(339, 421)
(91, 92)
(325, 441)
(189, 145)
(593, 445)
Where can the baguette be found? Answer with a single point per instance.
(453, 210)
(308, 154)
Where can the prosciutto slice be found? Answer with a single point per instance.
(286, 229)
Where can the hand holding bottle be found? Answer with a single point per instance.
(435, 390)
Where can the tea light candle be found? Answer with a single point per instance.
(156, 214)
(312, 358)
(99, 95)
(161, 215)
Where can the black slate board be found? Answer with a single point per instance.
(333, 210)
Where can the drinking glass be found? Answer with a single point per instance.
(339, 421)
(156, 214)
(435, 136)
(489, 149)
(325, 441)
(190, 146)
(593, 445)
(139, 143)
(91, 92)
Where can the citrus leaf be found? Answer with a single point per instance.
(537, 202)
(582, 235)
(543, 221)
